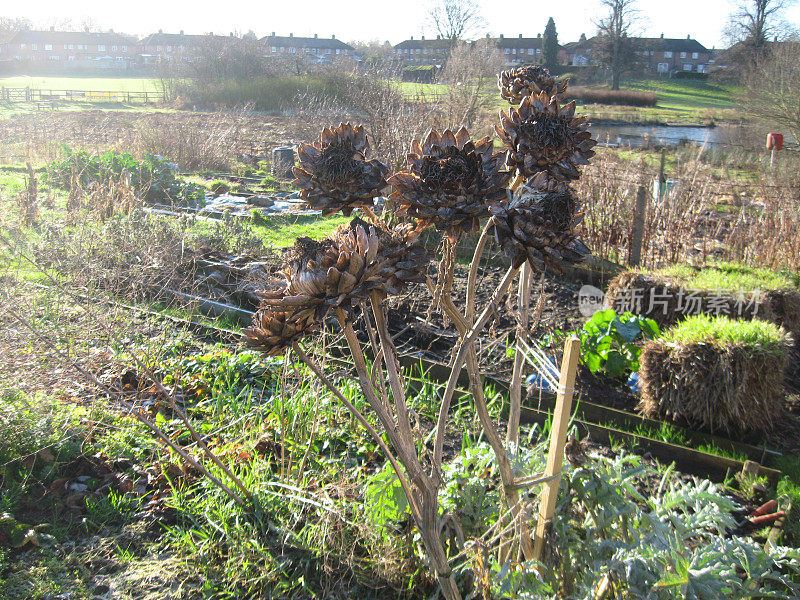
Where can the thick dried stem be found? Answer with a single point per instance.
(515, 395)
(458, 362)
(367, 425)
(394, 376)
(473, 273)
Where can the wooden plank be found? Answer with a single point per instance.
(601, 415)
(558, 438)
(686, 458)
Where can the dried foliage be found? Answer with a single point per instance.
(542, 136)
(334, 174)
(520, 82)
(450, 182)
(539, 226)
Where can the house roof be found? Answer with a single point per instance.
(518, 42)
(181, 39)
(660, 44)
(304, 42)
(423, 43)
(70, 37)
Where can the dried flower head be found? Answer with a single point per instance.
(543, 136)
(339, 272)
(539, 225)
(518, 83)
(450, 181)
(334, 173)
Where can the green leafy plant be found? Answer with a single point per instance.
(153, 177)
(610, 342)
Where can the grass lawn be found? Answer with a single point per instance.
(281, 231)
(104, 84)
(686, 94)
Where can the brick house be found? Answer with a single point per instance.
(514, 50)
(65, 50)
(653, 55)
(315, 49)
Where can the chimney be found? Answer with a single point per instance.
(538, 35)
(160, 31)
(423, 37)
(688, 37)
(487, 36)
(181, 31)
(662, 36)
(231, 34)
(52, 27)
(412, 37)
(438, 37)
(501, 36)
(291, 35)
(333, 37)
(273, 34)
(315, 36)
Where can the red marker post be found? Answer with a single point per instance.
(774, 142)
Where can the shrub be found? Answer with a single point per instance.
(616, 97)
(716, 373)
(153, 178)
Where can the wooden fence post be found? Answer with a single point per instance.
(558, 438)
(637, 233)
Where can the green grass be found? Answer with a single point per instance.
(281, 231)
(684, 95)
(731, 277)
(105, 84)
(723, 331)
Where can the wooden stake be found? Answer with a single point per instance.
(637, 234)
(558, 438)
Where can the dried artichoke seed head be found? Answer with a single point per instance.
(450, 181)
(334, 174)
(518, 83)
(543, 136)
(539, 226)
(273, 331)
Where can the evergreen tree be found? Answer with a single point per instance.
(550, 44)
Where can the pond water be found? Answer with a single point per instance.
(640, 135)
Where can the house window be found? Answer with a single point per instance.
(667, 54)
(663, 67)
(34, 46)
(508, 50)
(327, 50)
(120, 58)
(282, 48)
(338, 51)
(687, 66)
(701, 68)
(22, 46)
(54, 57)
(530, 51)
(695, 55)
(114, 48)
(65, 46)
(538, 51)
(101, 48)
(683, 54)
(158, 48)
(70, 58)
(292, 50)
(124, 48)
(274, 49)
(72, 46)
(438, 51)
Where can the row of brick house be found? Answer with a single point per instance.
(65, 50)
(655, 55)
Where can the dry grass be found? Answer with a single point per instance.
(706, 217)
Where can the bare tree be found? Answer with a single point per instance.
(754, 22)
(615, 46)
(772, 88)
(9, 25)
(471, 69)
(456, 19)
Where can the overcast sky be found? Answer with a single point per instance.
(374, 19)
